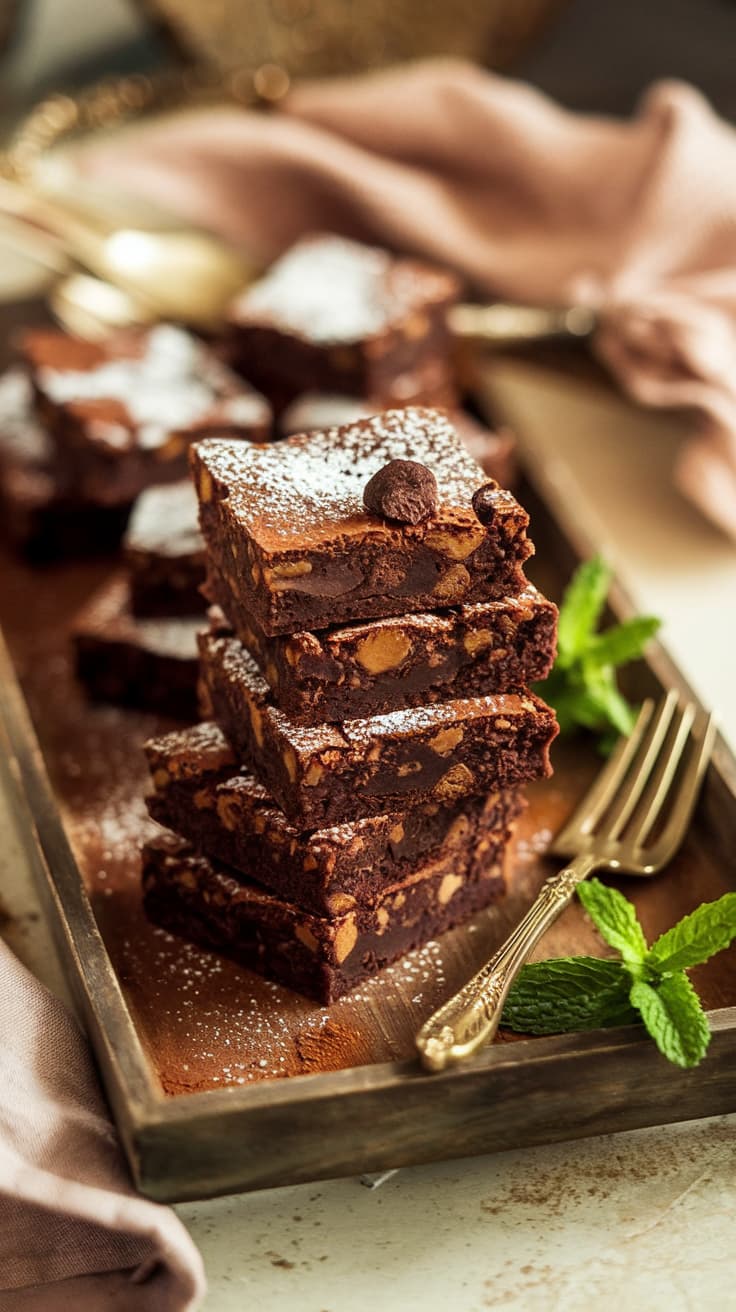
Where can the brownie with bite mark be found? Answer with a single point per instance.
(223, 811)
(287, 527)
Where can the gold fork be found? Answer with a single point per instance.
(652, 776)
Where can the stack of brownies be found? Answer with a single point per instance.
(365, 677)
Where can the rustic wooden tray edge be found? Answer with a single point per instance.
(317, 1126)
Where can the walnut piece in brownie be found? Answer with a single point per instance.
(333, 315)
(164, 552)
(321, 957)
(329, 773)
(122, 411)
(229, 815)
(286, 526)
(147, 663)
(356, 670)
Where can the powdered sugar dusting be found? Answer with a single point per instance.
(164, 521)
(168, 382)
(314, 483)
(329, 289)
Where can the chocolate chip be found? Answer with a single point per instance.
(403, 490)
(484, 502)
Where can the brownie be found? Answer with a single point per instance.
(286, 525)
(41, 514)
(357, 670)
(164, 552)
(148, 663)
(323, 958)
(122, 411)
(333, 315)
(226, 813)
(330, 773)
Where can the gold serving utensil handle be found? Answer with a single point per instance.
(503, 325)
(470, 1019)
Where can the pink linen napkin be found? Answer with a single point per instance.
(73, 1233)
(531, 202)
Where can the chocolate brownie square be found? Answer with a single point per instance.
(147, 663)
(286, 525)
(333, 315)
(321, 957)
(41, 513)
(329, 773)
(122, 411)
(223, 811)
(356, 670)
(164, 552)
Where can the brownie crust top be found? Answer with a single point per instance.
(308, 490)
(330, 290)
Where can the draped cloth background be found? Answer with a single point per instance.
(529, 201)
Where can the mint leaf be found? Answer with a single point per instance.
(623, 642)
(673, 1015)
(569, 993)
(582, 686)
(696, 937)
(615, 918)
(603, 703)
(581, 608)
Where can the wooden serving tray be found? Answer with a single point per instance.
(220, 1081)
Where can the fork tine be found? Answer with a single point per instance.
(661, 779)
(644, 764)
(603, 790)
(686, 795)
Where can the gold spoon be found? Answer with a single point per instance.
(182, 275)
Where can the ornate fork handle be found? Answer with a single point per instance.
(470, 1019)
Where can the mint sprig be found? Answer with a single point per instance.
(648, 984)
(582, 686)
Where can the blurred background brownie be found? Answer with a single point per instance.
(335, 316)
(122, 411)
(148, 663)
(41, 512)
(164, 552)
